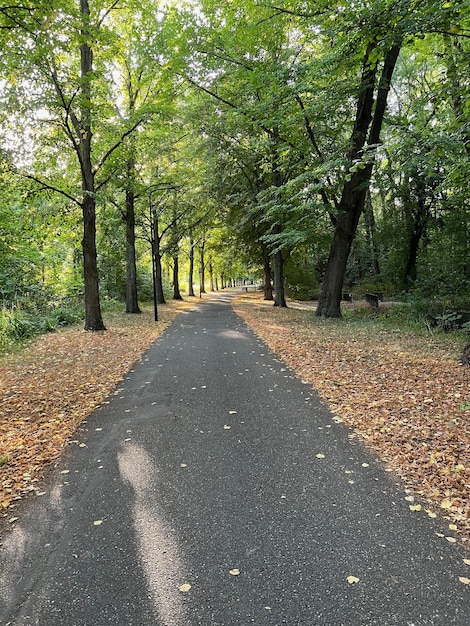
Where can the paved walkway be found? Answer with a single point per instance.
(215, 490)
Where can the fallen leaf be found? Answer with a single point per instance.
(235, 572)
(185, 587)
(232, 412)
(227, 427)
(451, 539)
(365, 465)
(320, 456)
(352, 580)
(430, 513)
(466, 561)
(465, 581)
(453, 527)
(65, 471)
(415, 507)
(420, 442)
(446, 504)
(97, 522)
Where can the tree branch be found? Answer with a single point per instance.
(118, 143)
(48, 187)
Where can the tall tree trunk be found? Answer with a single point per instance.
(420, 214)
(157, 260)
(191, 268)
(371, 231)
(132, 304)
(279, 294)
(93, 318)
(176, 286)
(268, 288)
(211, 277)
(366, 127)
(159, 278)
(202, 270)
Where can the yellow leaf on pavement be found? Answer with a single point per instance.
(352, 580)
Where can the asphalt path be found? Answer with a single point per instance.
(214, 489)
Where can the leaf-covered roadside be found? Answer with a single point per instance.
(50, 387)
(404, 395)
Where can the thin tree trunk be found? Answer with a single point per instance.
(176, 287)
(202, 275)
(159, 278)
(157, 258)
(132, 304)
(191, 268)
(211, 277)
(372, 233)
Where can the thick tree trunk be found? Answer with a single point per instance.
(331, 295)
(366, 126)
(132, 304)
(268, 288)
(176, 286)
(279, 294)
(93, 318)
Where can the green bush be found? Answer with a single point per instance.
(20, 323)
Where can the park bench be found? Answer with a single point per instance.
(373, 298)
(254, 287)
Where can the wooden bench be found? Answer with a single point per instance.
(373, 298)
(246, 287)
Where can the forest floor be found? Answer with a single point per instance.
(406, 396)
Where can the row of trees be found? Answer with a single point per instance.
(322, 142)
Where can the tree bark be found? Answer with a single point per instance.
(159, 278)
(157, 259)
(268, 288)
(371, 235)
(279, 294)
(202, 268)
(93, 317)
(366, 126)
(176, 287)
(211, 277)
(132, 304)
(191, 268)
